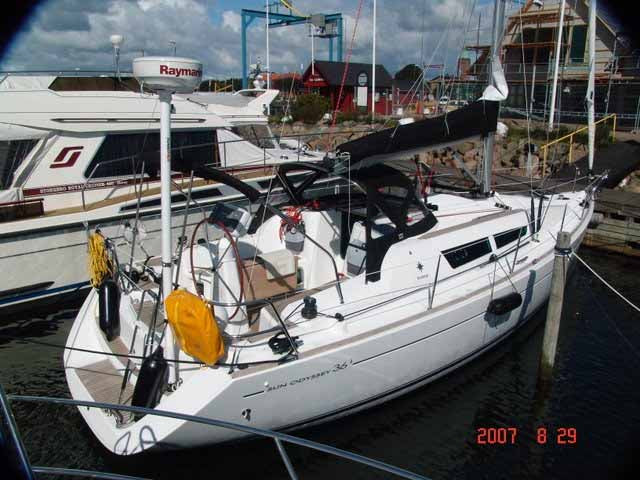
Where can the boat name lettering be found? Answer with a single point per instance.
(336, 368)
(75, 187)
(179, 72)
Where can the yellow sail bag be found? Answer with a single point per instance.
(194, 326)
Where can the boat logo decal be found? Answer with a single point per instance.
(179, 72)
(336, 368)
(67, 157)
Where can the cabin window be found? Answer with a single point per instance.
(509, 236)
(12, 153)
(122, 154)
(95, 84)
(259, 135)
(466, 253)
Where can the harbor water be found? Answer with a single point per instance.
(586, 426)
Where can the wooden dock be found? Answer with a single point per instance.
(616, 225)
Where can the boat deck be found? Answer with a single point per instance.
(103, 380)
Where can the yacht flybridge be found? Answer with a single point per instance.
(343, 280)
(82, 151)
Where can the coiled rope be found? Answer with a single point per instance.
(100, 266)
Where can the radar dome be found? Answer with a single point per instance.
(174, 74)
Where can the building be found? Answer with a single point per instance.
(528, 51)
(325, 78)
(287, 82)
(406, 95)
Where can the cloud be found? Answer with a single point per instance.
(70, 34)
(231, 19)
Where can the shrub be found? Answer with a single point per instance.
(353, 116)
(310, 108)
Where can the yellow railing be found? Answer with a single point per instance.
(570, 137)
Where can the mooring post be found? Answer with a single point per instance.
(554, 310)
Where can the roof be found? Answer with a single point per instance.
(332, 73)
(285, 76)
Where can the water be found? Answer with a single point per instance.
(431, 431)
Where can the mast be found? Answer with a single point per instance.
(556, 64)
(489, 141)
(373, 67)
(591, 84)
(165, 192)
(268, 63)
(159, 74)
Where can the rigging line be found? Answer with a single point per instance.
(422, 74)
(134, 357)
(424, 9)
(506, 274)
(286, 110)
(449, 84)
(607, 284)
(526, 102)
(346, 70)
(264, 213)
(608, 317)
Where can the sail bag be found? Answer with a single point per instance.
(194, 326)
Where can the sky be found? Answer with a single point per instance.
(74, 34)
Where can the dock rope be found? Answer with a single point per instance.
(100, 266)
(607, 284)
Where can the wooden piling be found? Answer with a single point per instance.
(554, 310)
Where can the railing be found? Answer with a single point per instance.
(570, 137)
(22, 459)
(63, 73)
(222, 152)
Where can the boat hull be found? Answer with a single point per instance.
(415, 346)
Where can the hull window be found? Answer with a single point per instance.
(509, 236)
(466, 253)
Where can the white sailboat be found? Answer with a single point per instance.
(324, 302)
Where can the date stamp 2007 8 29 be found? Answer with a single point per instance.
(509, 435)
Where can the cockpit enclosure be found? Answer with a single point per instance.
(390, 194)
(378, 197)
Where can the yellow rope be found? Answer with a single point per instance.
(99, 264)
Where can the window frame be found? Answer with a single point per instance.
(454, 264)
(520, 232)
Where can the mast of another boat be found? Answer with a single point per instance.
(591, 84)
(489, 141)
(373, 66)
(556, 67)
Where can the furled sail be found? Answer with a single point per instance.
(498, 91)
(472, 121)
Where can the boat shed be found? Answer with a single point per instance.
(325, 78)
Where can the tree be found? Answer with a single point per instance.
(409, 72)
(310, 108)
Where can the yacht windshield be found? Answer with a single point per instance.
(259, 135)
(12, 153)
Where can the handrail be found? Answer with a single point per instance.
(14, 436)
(278, 437)
(570, 136)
